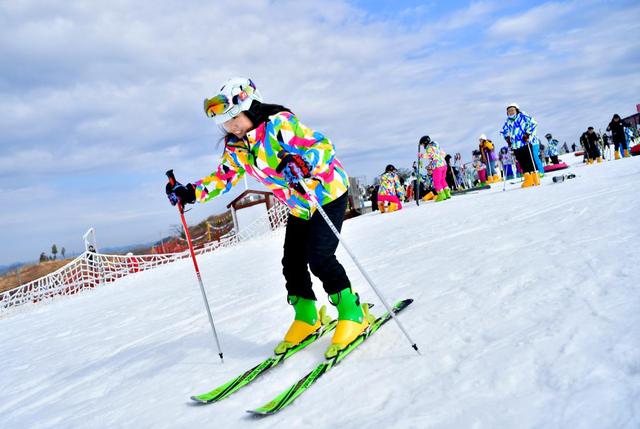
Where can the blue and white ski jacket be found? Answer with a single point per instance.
(552, 148)
(516, 127)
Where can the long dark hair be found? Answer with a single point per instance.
(257, 114)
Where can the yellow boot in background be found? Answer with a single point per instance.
(496, 178)
(626, 153)
(381, 207)
(536, 178)
(528, 180)
(599, 159)
(429, 196)
(393, 207)
(616, 154)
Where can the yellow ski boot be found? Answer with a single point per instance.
(353, 319)
(307, 321)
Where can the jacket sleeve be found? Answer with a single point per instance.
(297, 138)
(220, 181)
(505, 131)
(530, 125)
(399, 188)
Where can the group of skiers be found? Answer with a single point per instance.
(596, 145)
(524, 155)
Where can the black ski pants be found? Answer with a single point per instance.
(311, 243)
(523, 155)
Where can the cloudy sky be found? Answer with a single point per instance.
(99, 99)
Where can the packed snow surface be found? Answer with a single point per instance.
(526, 312)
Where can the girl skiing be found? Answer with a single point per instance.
(435, 158)
(391, 190)
(519, 131)
(269, 143)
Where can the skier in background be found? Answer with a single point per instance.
(606, 143)
(506, 160)
(434, 157)
(451, 176)
(488, 158)
(552, 149)
(519, 131)
(618, 136)
(390, 191)
(590, 141)
(479, 167)
(373, 196)
(269, 143)
(457, 169)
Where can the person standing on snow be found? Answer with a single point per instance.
(488, 154)
(590, 141)
(506, 160)
(519, 131)
(552, 148)
(269, 143)
(435, 159)
(618, 136)
(391, 190)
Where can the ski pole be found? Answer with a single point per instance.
(418, 178)
(172, 181)
(535, 167)
(355, 260)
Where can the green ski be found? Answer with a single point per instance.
(288, 396)
(247, 377)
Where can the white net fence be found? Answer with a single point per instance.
(91, 270)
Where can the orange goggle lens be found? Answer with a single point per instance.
(216, 105)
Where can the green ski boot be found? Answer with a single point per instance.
(307, 320)
(353, 319)
(441, 196)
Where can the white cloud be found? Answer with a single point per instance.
(540, 19)
(97, 100)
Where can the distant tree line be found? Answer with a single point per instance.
(54, 252)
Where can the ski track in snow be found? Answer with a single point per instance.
(525, 312)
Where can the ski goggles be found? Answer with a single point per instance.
(216, 105)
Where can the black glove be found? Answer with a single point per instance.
(525, 137)
(179, 193)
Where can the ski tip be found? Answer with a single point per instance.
(198, 400)
(257, 413)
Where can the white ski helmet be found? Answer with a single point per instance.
(482, 137)
(513, 105)
(235, 96)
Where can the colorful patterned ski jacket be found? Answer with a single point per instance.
(552, 148)
(517, 127)
(434, 155)
(257, 155)
(390, 186)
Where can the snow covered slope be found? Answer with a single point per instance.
(527, 313)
